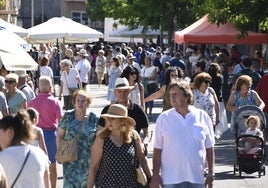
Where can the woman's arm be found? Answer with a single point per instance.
(230, 104)
(23, 104)
(46, 178)
(41, 139)
(79, 82)
(141, 156)
(60, 134)
(259, 101)
(142, 96)
(96, 155)
(157, 94)
(61, 88)
(217, 107)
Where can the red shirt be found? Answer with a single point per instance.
(262, 90)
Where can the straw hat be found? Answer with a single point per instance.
(82, 52)
(119, 111)
(130, 56)
(122, 83)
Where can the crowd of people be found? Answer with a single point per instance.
(198, 88)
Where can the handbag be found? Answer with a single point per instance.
(71, 91)
(67, 150)
(141, 176)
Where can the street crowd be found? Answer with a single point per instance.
(201, 90)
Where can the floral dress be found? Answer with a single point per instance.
(205, 101)
(75, 173)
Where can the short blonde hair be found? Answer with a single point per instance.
(253, 117)
(244, 79)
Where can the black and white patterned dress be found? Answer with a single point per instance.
(117, 167)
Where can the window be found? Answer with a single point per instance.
(80, 17)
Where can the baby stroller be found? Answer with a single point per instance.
(252, 160)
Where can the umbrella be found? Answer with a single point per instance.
(63, 29)
(12, 55)
(13, 28)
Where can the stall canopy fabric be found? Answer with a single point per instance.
(136, 32)
(202, 31)
(13, 28)
(12, 55)
(63, 29)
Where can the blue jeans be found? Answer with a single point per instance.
(184, 185)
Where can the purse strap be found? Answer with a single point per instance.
(24, 162)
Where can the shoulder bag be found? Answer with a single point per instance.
(67, 151)
(24, 162)
(141, 176)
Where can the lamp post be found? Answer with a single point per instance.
(32, 13)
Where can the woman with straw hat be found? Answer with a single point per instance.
(114, 150)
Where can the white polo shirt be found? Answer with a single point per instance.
(183, 142)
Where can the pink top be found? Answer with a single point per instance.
(49, 108)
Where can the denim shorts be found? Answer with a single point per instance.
(184, 185)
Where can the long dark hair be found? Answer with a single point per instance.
(128, 70)
(168, 72)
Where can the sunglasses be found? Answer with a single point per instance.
(207, 81)
(133, 73)
(10, 81)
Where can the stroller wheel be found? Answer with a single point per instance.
(259, 173)
(240, 173)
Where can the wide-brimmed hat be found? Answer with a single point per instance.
(122, 83)
(119, 111)
(21, 73)
(130, 56)
(82, 52)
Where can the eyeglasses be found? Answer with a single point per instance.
(207, 81)
(133, 73)
(10, 81)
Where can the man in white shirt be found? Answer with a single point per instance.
(183, 142)
(83, 66)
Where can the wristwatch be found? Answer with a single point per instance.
(210, 175)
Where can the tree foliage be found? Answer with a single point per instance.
(171, 15)
(247, 15)
(159, 14)
(2, 2)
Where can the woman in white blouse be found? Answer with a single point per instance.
(148, 75)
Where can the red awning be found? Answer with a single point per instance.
(202, 31)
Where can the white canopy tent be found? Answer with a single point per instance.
(12, 55)
(13, 28)
(63, 29)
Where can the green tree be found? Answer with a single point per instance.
(247, 15)
(159, 14)
(2, 2)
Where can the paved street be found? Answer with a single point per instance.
(224, 149)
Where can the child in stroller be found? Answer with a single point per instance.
(250, 147)
(251, 144)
